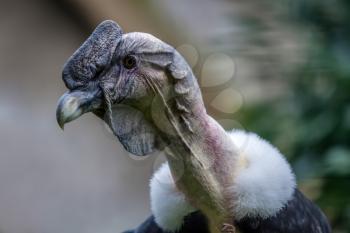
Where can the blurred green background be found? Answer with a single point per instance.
(278, 68)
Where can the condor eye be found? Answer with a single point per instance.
(129, 62)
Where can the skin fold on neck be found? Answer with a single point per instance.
(200, 155)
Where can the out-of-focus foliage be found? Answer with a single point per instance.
(311, 122)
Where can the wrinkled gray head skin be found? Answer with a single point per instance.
(125, 79)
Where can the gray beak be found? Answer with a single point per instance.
(96, 51)
(73, 104)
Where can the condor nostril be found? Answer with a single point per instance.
(98, 73)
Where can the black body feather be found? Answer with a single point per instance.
(300, 215)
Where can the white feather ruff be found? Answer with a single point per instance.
(264, 183)
(168, 204)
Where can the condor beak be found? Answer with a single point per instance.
(73, 104)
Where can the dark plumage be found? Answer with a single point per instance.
(299, 216)
(193, 223)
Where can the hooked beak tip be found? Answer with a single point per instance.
(73, 104)
(61, 124)
(60, 117)
(69, 108)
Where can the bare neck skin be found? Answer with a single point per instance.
(200, 154)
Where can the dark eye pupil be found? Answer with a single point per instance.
(129, 62)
